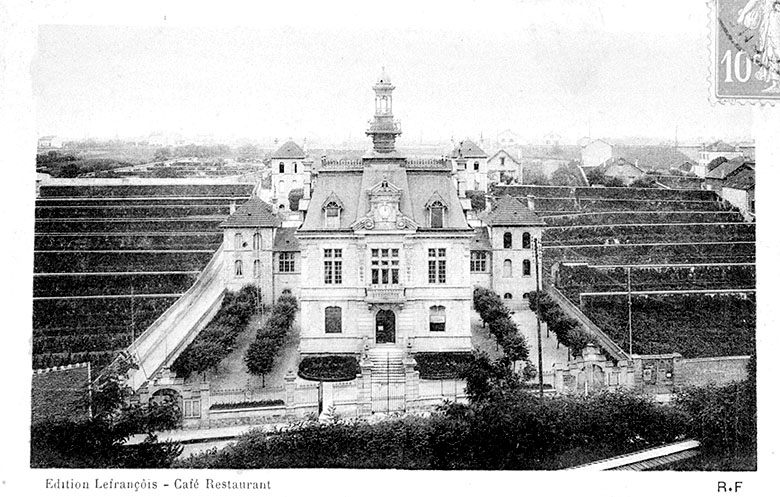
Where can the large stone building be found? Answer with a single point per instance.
(385, 261)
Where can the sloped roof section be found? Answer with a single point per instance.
(469, 150)
(481, 240)
(254, 213)
(719, 146)
(286, 241)
(744, 179)
(727, 168)
(289, 150)
(509, 211)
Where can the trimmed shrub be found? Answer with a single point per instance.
(442, 365)
(328, 368)
(218, 338)
(260, 355)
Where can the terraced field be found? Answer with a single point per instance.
(691, 257)
(109, 259)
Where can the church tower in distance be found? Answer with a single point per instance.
(383, 129)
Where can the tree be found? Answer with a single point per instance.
(99, 442)
(294, 197)
(646, 182)
(477, 198)
(69, 170)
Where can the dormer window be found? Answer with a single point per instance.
(436, 207)
(332, 208)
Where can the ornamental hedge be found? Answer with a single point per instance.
(496, 316)
(567, 330)
(218, 338)
(261, 354)
(442, 365)
(329, 368)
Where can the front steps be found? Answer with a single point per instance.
(387, 364)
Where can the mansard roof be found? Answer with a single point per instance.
(289, 150)
(415, 190)
(254, 213)
(509, 211)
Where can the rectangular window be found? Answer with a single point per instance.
(192, 408)
(332, 217)
(332, 266)
(286, 262)
(384, 266)
(436, 217)
(478, 261)
(437, 265)
(333, 319)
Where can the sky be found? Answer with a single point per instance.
(564, 67)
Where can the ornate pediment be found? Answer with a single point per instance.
(332, 200)
(384, 212)
(436, 200)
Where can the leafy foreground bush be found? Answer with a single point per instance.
(99, 442)
(517, 432)
(503, 427)
(218, 338)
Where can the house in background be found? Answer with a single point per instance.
(620, 168)
(49, 142)
(290, 170)
(469, 163)
(712, 151)
(740, 190)
(596, 153)
(504, 165)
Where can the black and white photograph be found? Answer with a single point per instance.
(390, 247)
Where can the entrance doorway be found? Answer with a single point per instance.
(385, 326)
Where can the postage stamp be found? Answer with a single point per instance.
(745, 37)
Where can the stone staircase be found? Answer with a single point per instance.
(387, 364)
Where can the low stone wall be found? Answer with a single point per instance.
(712, 370)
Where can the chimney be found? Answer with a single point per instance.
(307, 163)
(461, 188)
(306, 188)
(531, 203)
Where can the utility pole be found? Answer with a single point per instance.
(630, 326)
(538, 321)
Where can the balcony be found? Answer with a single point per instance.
(385, 294)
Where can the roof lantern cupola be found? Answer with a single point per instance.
(383, 129)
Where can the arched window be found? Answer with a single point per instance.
(526, 267)
(507, 268)
(281, 167)
(239, 268)
(525, 296)
(507, 240)
(507, 296)
(295, 167)
(333, 319)
(476, 165)
(526, 240)
(281, 189)
(286, 291)
(238, 241)
(438, 320)
(256, 241)
(256, 268)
